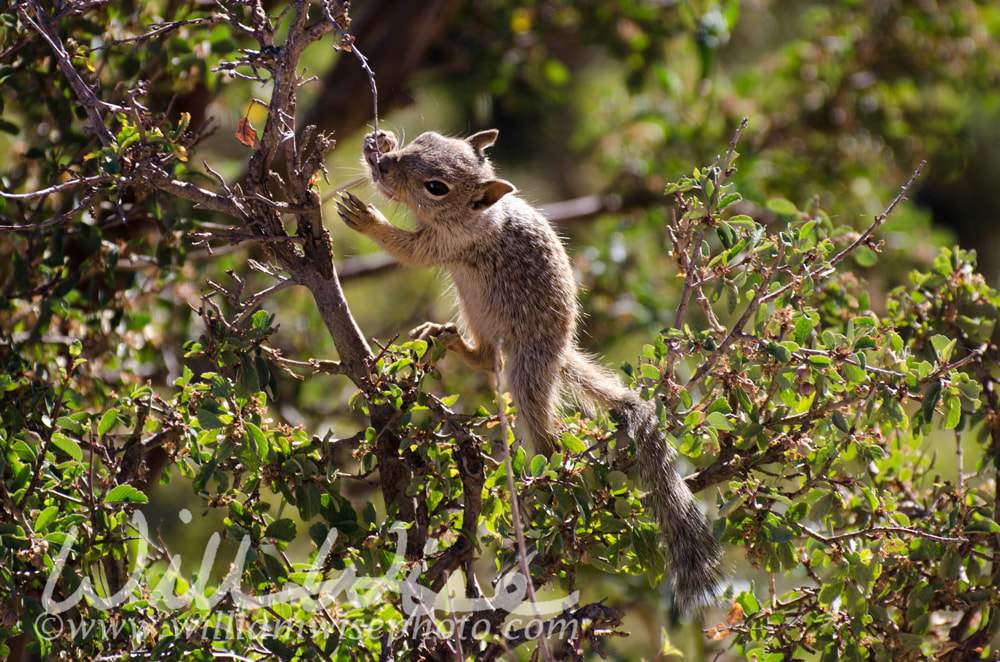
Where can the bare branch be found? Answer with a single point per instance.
(880, 219)
(878, 532)
(57, 188)
(250, 305)
(828, 269)
(348, 44)
(688, 267)
(90, 102)
(738, 326)
(515, 510)
(193, 193)
(727, 167)
(55, 220)
(161, 29)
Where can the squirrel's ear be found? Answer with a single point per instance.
(490, 192)
(483, 139)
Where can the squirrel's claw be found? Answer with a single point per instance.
(445, 334)
(352, 210)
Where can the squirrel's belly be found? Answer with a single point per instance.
(496, 310)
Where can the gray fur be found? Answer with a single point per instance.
(516, 293)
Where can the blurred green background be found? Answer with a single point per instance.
(603, 102)
(599, 104)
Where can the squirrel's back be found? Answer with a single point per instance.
(515, 285)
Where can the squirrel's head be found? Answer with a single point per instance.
(434, 175)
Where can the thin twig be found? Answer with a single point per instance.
(55, 220)
(880, 219)
(56, 188)
(84, 93)
(689, 270)
(727, 170)
(160, 29)
(251, 303)
(828, 269)
(968, 358)
(515, 509)
(879, 530)
(738, 327)
(364, 64)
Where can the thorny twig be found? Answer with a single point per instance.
(90, 102)
(522, 551)
(737, 328)
(828, 269)
(56, 188)
(348, 44)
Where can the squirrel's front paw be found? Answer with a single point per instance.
(356, 214)
(446, 334)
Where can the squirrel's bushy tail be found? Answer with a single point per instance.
(693, 555)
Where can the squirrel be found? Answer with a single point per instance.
(518, 299)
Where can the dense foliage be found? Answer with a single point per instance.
(166, 392)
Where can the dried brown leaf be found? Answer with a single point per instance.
(246, 134)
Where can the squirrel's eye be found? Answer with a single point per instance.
(436, 187)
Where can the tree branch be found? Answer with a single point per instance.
(90, 102)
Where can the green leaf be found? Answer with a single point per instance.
(538, 464)
(971, 390)
(779, 351)
(782, 207)
(730, 506)
(819, 360)
(718, 421)
(280, 649)
(742, 221)
(650, 371)
(779, 532)
(943, 347)
(256, 441)
(46, 517)
(248, 382)
(719, 405)
(931, 396)
(853, 373)
(865, 257)
(618, 482)
(125, 494)
(803, 327)
(611, 525)
(749, 602)
(864, 342)
(729, 199)
(980, 523)
(282, 529)
(67, 445)
(830, 592)
(209, 420)
(107, 422)
(953, 411)
(572, 443)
